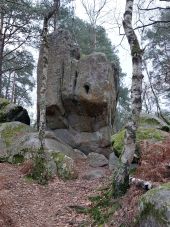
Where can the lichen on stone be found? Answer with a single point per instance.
(64, 165)
(10, 130)
(155, 205)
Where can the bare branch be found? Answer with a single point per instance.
(154, 22)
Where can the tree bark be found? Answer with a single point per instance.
(43, 87)
(13, 95)
(122, 173)
(1, 47)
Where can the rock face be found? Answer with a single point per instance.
(155, 207)
(81, 95)
(12, 112)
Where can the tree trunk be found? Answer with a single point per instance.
(93, 39)
(122, 173)
(8, 86)
(56, 14)
(13, 100)
(43, 86)
(1, 47)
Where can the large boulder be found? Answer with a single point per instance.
(81, 95)
(149, 120)
(12, 112)
(20, 142)
(155, 207)
(143, 133)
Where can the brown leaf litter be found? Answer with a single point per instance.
(24, 203)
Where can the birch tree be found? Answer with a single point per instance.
(121, 174)
(43, 87)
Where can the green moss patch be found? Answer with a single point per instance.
(64, 166)
(40, 172)
(148, 122)
(149, 134)
(117, 142)
(153, 205)
(10, 130)
(17, 159)
(142, 134)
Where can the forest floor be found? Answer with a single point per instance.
(24, 203)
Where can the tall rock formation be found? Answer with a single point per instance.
(81, 95)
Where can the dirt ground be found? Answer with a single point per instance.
(24, 203)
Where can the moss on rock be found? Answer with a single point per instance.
(149, 134)
(40, 172)
(64, 165)
(17, 159)
(144, 121)
(10, 130)
(155, 207)
(142, 134)
(117, 142)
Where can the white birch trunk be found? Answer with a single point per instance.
(43, 87)
(1, 45)
(136, 89)
(121, 175)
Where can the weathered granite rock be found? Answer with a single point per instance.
(93, 174)
(149, 120)
(97, 160)
(155, 207)
(19, 142)
(79, 155)
(12, 112)
(113, 161)
(81, 95)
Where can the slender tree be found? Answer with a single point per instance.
(43, 87)
(121, 175)
(16, 29)
(18, 78)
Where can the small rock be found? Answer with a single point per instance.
(79, 155)
(94, 174)
(97, 160)
(113, 161)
